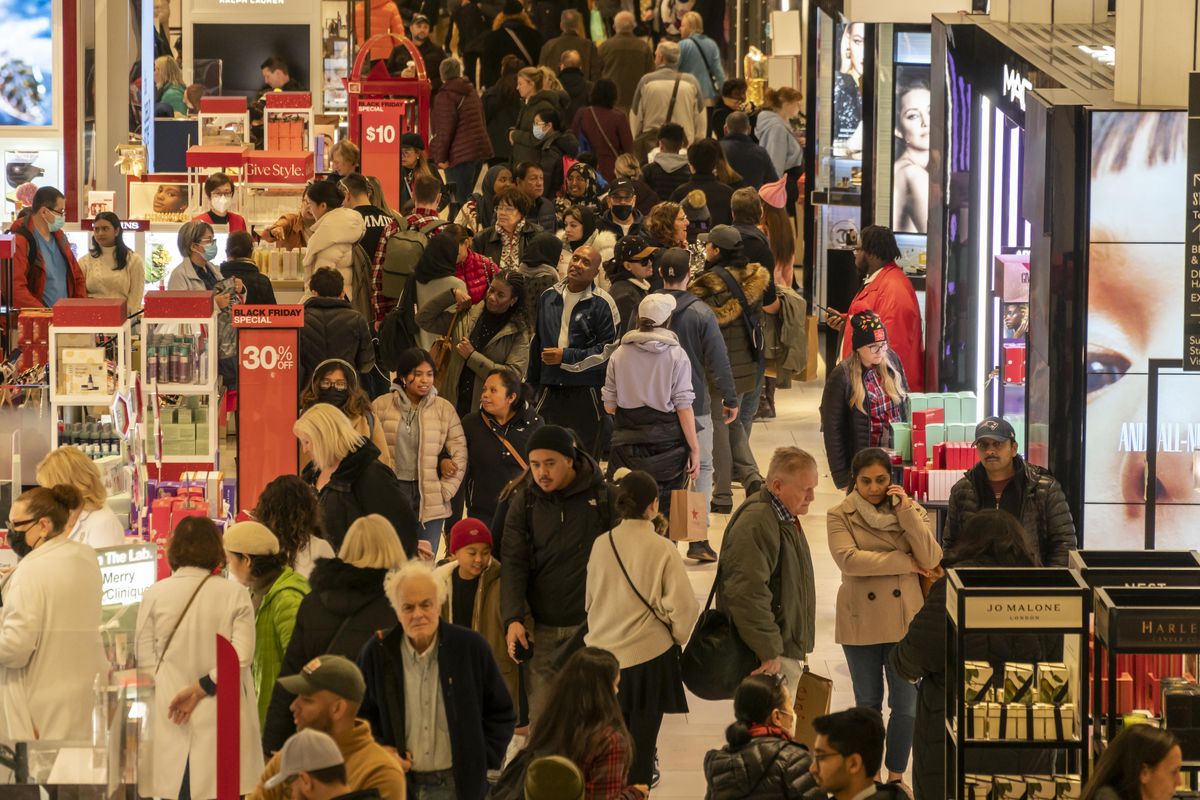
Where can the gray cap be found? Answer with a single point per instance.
(725, 237)
(306, 751)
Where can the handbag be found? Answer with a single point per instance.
(441, 352)
(688, 521)
(812, 698)
(178, 622)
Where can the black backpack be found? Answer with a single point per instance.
(397, 332)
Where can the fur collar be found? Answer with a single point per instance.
(709, 287)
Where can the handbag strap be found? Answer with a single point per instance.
(512, 451)
(735, 289)
(674, 94)
(712, 78)
(520, 46)
(633, 586)
(178, 622)
(603, 135)
(775, 573)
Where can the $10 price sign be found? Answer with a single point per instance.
(382, 124)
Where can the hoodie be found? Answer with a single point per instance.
(667, 172)
(649, 369)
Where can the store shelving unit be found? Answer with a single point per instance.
(1013, 602)
(1160, 620)
(179, 313)
(91, 329)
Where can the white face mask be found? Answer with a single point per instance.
(220, 203)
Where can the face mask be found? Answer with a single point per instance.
(539, 132)
(335, 397)
(57, 224)
(210, 251)
(16, 540)
(622, 212)
(220, 203)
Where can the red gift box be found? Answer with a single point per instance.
(920, 419)
(89, 312)
(1014, 363)
(939, 456)
(920, 450)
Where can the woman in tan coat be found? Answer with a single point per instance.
(882, 541)
(419, 426)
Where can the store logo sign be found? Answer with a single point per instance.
(273, 168)
(1015, 85)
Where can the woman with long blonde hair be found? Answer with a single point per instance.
(93, 523)
(863, 395)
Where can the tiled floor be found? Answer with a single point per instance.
(685, 738)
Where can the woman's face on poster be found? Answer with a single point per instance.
(169, 199)
(912, 119)
(852, 48)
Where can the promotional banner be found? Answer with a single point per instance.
(381, 122)
(1138, 221)
(27, 63)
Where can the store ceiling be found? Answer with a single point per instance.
(1079, 56)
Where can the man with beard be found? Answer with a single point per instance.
(431, 54)
(886, 291)
(329, 691)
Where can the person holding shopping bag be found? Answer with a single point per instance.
(882, 541)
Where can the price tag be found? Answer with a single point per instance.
(382, 122)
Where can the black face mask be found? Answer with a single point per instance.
(622, 212)
(16, 540)
(335, 397)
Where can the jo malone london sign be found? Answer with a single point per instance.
(1023, 612)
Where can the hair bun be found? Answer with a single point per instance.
(67, 496)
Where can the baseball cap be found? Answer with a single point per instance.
(417, 19)
(632, 248)
(250, 538)
(656, 307)
(332, 673)
(675, 264)
(996, 429)
(725, 237)
(306, 751)
(622, 187)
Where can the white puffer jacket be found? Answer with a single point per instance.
(331, 244)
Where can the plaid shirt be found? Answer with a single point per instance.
(381, 304)
(780, 509)
(605, 771)
(880, 409)
(422, 217)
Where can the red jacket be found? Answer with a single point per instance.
(891, 296)
(236, 222)
(476, 271)
(29, 273)
(460, 129)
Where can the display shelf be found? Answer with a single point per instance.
(1147, 621)
(91, 334)
(1012, 602)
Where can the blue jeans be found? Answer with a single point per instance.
(704, 481)
(463, 178)
(750, 400)
(431, 531)
(868, 666)
(431, 786)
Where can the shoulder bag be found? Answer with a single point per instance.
(620, 563)
(512, 451)
(178, 622)
(441, 351)
(608, 142)
(753, 330)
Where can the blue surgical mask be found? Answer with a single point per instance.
(210, 251)
(57, 224)
(539, 132)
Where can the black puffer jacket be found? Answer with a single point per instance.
(362, 485)
(490, 465)
(1033, 496)
(921, 654)
(846, 429)
(333, 329)
(766, 767)
(345, 608)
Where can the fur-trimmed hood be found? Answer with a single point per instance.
(710, 288)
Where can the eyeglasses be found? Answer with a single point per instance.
(819, 757)
(19, 524)
(327, 384)
(56, 212)
(876, 349)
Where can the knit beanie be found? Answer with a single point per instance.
(469, 531)
(553, 437)
(553, 778)
(774, 193)
(866, 328)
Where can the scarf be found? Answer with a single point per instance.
(875, 519)
(757, 730)
(591, 193)
(587, 218)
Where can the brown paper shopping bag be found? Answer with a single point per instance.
(812, 347)
(689, 516)
(812, 698)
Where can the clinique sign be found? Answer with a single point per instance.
(1023, 612)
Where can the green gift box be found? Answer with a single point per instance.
(935, 433)
(953, 407)
(957, 432)
(918, 401)
(968, 408)
(937, 401)
(902, 439)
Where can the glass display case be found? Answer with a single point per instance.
(335, 53)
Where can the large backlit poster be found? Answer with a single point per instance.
(26, 63)
(848, 38)
(910, 166)
(1135, 313)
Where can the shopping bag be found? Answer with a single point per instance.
(812, 698)
(689, 515)
(810, 362)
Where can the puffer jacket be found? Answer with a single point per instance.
(509, 347)
(476, 271)
(1044, 513)
(439, 429)
(385, 18)
(604, 241)
(846, 429)
(526, 148)
(485, 618)
(709, 287)
(363, 485)
(462, 130)
(332, 329)
(331, 244)
(346, 606)
(592, 328)
(490, 465)
(273, 624)
(768, 766)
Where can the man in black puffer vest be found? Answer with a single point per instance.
(1002, 479)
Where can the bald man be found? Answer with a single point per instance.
(574, 83)
(577, 321)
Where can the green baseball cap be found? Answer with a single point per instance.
(332, 673)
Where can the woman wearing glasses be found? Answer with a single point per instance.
(864, 394)
(50, 651)
(760, 760)
(335, 382)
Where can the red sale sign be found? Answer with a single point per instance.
(381, 124)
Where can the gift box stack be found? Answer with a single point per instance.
(184, 428)
(176, 500)
(938, 443)
(1022, 787)
(287, 133)
(33, 337)
(1028, 701)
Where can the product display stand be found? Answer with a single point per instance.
(1013, 602)
(1161, 622)
(1136, 568)
(89, 368)
(179, 360)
